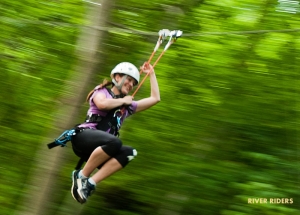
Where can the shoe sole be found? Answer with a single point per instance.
(74, 188)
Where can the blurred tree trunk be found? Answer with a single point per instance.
(43, 183)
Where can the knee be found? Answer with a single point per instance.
(125, 155)
(130, 152)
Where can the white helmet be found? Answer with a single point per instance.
(127, 69)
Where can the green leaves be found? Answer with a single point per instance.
(272, 44)
(226, 129)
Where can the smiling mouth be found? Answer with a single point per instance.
(127, 89)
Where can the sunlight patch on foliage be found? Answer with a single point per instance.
(272, 44)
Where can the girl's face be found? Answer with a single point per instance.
(128, 84)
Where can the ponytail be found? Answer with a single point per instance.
(100, 86)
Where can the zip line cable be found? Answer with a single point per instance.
(243, 32)
(138, 32)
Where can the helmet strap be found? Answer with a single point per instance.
(120, 85)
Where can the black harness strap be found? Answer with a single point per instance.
(79, 164)
(113, 95)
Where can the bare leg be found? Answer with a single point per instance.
(96, 159)
(109, 168)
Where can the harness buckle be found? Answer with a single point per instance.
(118, 114)
(65, 137)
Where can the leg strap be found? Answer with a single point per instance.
(79, 164)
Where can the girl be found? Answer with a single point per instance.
(97, 142)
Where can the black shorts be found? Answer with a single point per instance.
(85, 142)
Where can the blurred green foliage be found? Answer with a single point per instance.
(227, 128)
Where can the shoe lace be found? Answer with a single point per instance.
(88, 187)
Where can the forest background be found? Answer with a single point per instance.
(226, 129)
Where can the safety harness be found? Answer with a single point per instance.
(110, 123)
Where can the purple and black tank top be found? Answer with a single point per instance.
(94, 110)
